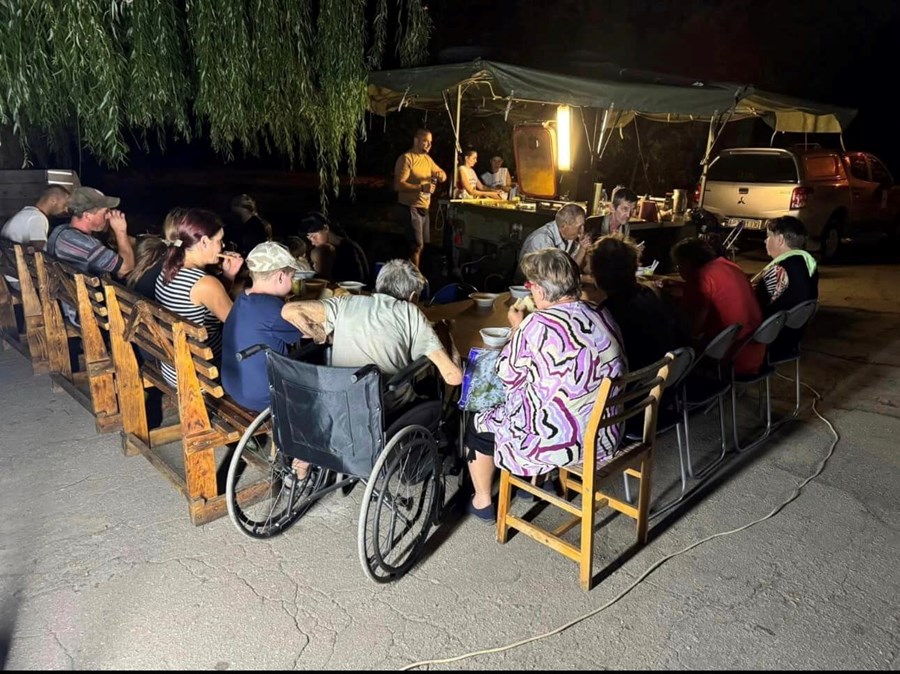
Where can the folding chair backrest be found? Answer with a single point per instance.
(329, 416)
(683, 360)
(452, 292)
(721, 344)
(769, 328)
(801, 314)
(636, 393)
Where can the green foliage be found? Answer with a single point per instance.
(279, 74)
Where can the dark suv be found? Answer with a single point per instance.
(837, 195)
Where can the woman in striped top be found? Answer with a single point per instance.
(184, 286)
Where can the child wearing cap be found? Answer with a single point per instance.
(256, 318)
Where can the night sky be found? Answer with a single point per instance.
(843, 53)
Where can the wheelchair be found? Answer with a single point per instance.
(338, 420)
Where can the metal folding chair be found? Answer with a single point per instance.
(796, 319)
(765, 334)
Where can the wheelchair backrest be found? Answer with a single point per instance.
(329, 416)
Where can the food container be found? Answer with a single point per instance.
(518, 292)
(494, 338)
(484, 300)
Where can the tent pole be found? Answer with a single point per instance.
(456, 148)
(710, 139)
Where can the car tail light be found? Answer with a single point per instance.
(696, 195)
(800, 196)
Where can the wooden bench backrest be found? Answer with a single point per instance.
(151, 327)
(68, 284)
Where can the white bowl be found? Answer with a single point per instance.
(484, 300)
(352, 286)
(518, 292)
(494, 337)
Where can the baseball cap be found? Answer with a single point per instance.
(270, 256)
(85, 199)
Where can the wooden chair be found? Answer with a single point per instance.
(617, 401)
(92, 385)
(208, 419)
(18, 262)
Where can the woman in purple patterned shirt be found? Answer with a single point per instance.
(551, 368)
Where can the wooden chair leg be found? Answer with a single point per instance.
(644, 497)
(503, 500)
(588, 514)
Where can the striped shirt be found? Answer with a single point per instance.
(176, 296)
(83, 251)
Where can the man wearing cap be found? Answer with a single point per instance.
(255, 318)
(92, 211)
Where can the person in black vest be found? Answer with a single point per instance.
(790, 278)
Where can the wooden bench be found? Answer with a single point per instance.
(208, 419)
(93, 385)
(18, 262)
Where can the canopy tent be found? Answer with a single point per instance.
(487, 87)
(520, 94)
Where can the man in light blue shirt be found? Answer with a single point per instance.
(565, 232)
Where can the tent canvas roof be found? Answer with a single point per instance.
(525, 93)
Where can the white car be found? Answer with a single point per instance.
(836, 195)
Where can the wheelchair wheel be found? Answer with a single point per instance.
(275, 498)
(399, 504)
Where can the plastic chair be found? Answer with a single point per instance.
(452, 292)
(765, 334)
(797, 319)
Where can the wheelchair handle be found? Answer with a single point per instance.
(250, 351)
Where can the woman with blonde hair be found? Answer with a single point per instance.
(149, 253)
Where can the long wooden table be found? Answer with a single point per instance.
(468, 318)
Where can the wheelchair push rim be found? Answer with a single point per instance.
(272, 499)
(399, 504)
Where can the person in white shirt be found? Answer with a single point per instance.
(498, 176)
(31, 225)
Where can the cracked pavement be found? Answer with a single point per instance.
(100, 567)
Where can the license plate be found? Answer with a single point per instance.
(749, 223)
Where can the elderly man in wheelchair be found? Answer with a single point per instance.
(352, 412)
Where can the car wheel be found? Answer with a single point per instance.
(831, 242)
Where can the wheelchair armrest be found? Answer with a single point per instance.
(408, 374)
(363, 371)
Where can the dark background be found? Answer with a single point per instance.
(841, 53)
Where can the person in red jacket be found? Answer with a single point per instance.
(717, 293)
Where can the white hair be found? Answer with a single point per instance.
(400, 279)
